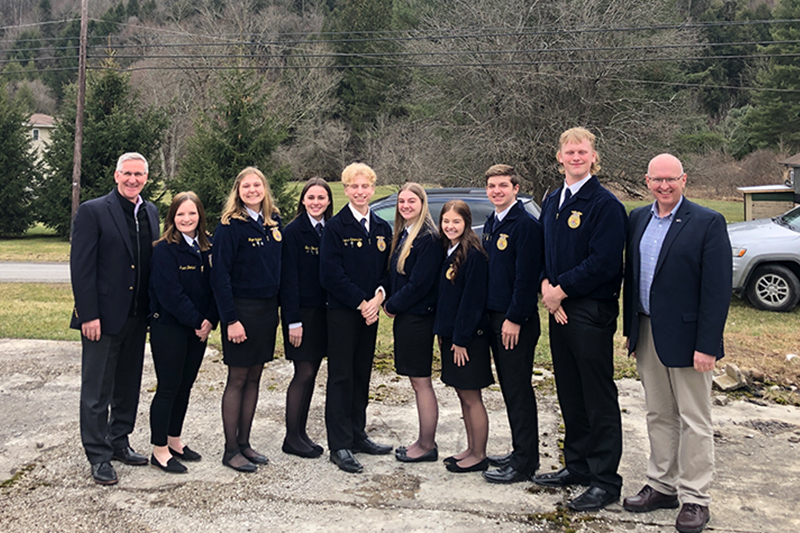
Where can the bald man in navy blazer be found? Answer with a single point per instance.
(112, 243)
(676, 296)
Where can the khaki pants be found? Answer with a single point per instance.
(678, 423)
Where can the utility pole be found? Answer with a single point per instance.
(76, 167)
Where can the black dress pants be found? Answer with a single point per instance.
(583, 361)
(351, 349)
(515, 374)
(177, 356)
(111, 376)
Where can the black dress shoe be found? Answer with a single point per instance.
(477, 467)
(593, 499)
(104, 474)
(692, 518)
(431, 455)
(173, 466)
(499, 461)
(187, 455)
(507, 474)
(371, 447)
(129, 457)
(346, 461)
(247, 468)
(649, 499)
(312, 453)
(562, 478)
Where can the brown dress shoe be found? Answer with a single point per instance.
(692, 518)
(649, 499)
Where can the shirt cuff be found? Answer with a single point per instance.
(382, 291)
(295, 325)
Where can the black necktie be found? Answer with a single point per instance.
(402, 238)
(567, 194)
(364, 225)
(318, 227)
(260, 220)
(195, 247)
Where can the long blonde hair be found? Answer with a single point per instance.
(235, 208)
(422, 225)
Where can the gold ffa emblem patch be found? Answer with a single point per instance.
(450, 274)
(574, 219)
(276, 234)
(381, 242)
(502, 242)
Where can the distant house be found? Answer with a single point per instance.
(791, 174)
(41, 127)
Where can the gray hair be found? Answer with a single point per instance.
(129, 156)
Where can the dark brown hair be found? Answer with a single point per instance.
(315, 182)
(501, 170)
(469, 239)
(171, 233)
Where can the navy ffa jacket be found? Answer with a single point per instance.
(180, 286)
(415, 291)
(102, 262)
(515, 252)
(691, 290)
(584, 241)
(353, 264)
(246, 263)
(461, 306)
(300, 285)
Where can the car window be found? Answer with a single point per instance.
(386, 212)
(792, 219)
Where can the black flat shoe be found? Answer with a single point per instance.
(313, 453)
(430, 456)
(254, 457)
(450, 459)
(477, 467)
(129, 457)
(187, 455)
(248, 467)
(173, 466)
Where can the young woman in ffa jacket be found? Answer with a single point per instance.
(305, 332)
(183, 312)
(462, 326)
(415, 260)
(246, 277)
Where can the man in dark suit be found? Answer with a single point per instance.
(584, 237)
(677, 292)
(112, 240)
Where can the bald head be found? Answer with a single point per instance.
(666, 180)
(666, 162)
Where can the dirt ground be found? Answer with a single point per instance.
(48, 487)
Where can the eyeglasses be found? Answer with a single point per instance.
(137, 174)
(668, 181)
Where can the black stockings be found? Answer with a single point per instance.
(238, 409)
(298, 401)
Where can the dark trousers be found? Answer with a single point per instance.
(177, 356)
(583, 361)
(111, 375)
(351, 348)
(515, 373)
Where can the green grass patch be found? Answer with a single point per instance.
(732, 211)
(36, 311)
(39, 244)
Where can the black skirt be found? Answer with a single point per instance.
(260, 321)
(314, 345)
(477, 372)
(413, 345)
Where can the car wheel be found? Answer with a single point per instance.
(773, 288)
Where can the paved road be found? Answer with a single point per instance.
(35, 272)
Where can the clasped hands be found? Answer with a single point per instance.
(552, 298)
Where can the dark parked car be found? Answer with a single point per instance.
(766, 261)
(476, 199)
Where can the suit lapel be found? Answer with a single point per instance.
(118, 216)
(680, 222)
(636, 239)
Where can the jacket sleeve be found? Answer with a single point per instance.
(528, 272)
(472, 306)
(715, 288)
(606, 245)
(222, 261)
(629, 292)
(290, 277)
(83, 264)
(422, 277)
(166, 283)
